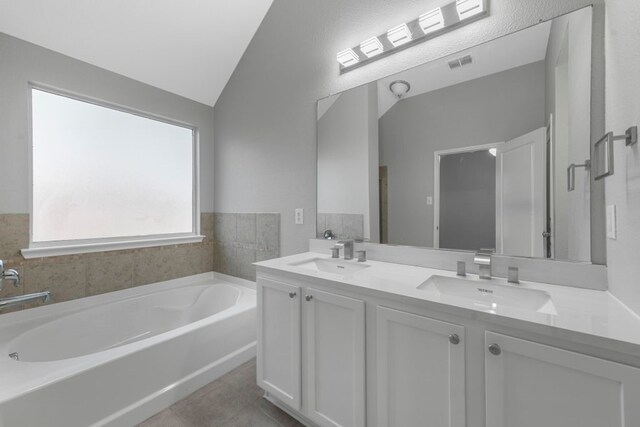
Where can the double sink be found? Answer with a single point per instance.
(493, 295)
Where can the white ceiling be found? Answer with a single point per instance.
(187, 47)
(517, 49)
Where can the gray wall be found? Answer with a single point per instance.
(22, 62)
(348, 156)
(265, 119)
(468, 201)
(623, 110)
(490, 109)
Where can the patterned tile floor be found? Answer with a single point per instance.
(233, 400)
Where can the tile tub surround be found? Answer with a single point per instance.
(240, 239)
(232, 243)
(75, 276)
(343, 226)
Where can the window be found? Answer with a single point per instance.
(106, 177)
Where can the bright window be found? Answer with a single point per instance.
(104, 174)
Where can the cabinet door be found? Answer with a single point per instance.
(533, 385)
(421, 371)
(335, 359)
(278, 362)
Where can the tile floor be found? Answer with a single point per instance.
(233, 400)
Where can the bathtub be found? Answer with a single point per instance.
(116, 359)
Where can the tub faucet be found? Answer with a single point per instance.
(13, 276)
(9, 274)
(483, 260)
(44, 296)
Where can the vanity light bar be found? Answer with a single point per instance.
(347, 58)
(371, 47)
(468, 8)
(431, 21)
(427, 26)
(399, 35)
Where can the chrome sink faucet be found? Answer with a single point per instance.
(483, 260)
(347, 245)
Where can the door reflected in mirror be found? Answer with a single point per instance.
(472, 152)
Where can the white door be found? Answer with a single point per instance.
(335, 357)
(520, 189)
(278, 361)
(534, 385)
(421, 371)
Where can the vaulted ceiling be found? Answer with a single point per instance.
(187, 47)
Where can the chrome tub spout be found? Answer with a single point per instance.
(45, 297)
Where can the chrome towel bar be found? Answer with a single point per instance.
(603, 151)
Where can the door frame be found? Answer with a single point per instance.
(436, 181)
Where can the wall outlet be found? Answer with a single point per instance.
(299, 216)
(612, 227)
(429, 200)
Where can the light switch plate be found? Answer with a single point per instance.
(429, 200)
(299, 216)
(611, 222)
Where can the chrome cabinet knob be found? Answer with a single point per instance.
(309, 297)
(292, 294)
(495, 349)
(454, 339)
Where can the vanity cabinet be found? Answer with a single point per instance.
(398, 364)
(278, 362)
(530, 385)
(420, 370)
(331, 328)
(335, 359)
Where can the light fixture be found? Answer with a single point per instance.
(399, 35)
(493, 151)
(431, 21)
(431, 24)
(399, 88)
(469, 8)
(371, 47)
(347, 58)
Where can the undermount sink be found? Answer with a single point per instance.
(491, 295)
(333, 266)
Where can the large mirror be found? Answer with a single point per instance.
(470, 151)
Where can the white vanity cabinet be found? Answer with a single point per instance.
(335, 359)
(532, 385)
(420, 370)
(278, 362)
(399, 364)
(331, 328)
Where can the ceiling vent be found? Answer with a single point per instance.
(460, 62)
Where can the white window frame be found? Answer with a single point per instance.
(68, 247)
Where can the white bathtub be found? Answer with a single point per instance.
(118, 358)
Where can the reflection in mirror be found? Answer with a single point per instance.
(470, 151)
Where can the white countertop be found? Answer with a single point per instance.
(585, 311)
